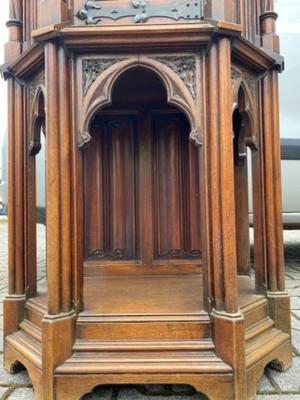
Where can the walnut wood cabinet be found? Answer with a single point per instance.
(153, 112)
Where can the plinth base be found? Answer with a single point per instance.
(148, 330)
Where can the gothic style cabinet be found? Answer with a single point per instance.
(153, 112)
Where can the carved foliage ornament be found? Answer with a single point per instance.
(185, 68)
(141, 10)
(92, 68)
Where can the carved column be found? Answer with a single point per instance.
(268, 19)
(222, 178)
(279, 300)
(227, 321)
(13, 304)
(13, 47)
(59, 323)
(242, 208)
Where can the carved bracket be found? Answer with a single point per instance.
(141, 10)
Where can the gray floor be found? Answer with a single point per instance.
(274, 385)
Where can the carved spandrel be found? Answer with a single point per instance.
(40, 81)
(140, 10)
(238, 78)
(92, 68)
(251, 83)
(235, 77)
(185, 68)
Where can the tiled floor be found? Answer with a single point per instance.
(273, 386)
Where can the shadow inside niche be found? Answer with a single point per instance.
(140, 392)
(17, 367)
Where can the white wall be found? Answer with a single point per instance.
(288, 28)
(3, 104)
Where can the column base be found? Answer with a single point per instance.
(13, 311)
(58, 333)
(229, 339)
(279, 310)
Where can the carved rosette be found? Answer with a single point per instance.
(92, 68)
(185, 68)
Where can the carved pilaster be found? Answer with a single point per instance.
(58, 180)
(221, 177)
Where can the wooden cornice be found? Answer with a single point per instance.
(255, 57)
(82, 37)
(128, 36)
(31, 59)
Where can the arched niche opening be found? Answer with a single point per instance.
(142, 198)
(37, 197)
(244, 185)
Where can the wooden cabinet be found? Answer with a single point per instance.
(150, 111)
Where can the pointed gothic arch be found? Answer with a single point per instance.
(181, 92)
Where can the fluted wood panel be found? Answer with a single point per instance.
(119, 223)
(176, 188)
(110, 188)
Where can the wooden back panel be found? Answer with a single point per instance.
(119, 223)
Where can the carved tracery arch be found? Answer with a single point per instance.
(37, 121)
(181, 90)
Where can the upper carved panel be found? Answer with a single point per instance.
(97, 11)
